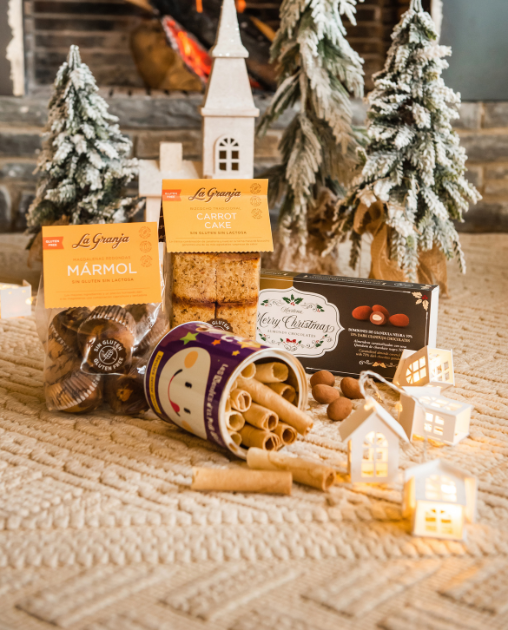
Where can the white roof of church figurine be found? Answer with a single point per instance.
(373, 437)
(439, 499)
(433, 415)
(428, 366)
(228, 122)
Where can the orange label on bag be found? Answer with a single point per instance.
(101, 265)
(216, 215)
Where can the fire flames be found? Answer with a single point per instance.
(190, 50)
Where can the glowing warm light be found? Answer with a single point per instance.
(192, 53)
(241, 6)
(199, 6)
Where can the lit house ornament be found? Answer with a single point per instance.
(373, 438)
(428, 366)
(15, 300)
(439, 499)
(426, 413)
(229, 111)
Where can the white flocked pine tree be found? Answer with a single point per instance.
(412, 185)
(83, 167)
(318, 72)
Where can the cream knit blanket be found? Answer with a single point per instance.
(99, 530)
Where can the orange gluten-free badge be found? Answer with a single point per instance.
(216, 215)
(101, 265)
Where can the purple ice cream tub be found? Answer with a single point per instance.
(191, 371)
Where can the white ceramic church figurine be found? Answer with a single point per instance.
(228, 115)
(229, 111)
(434, 416)
(439, 499)
(373, 438)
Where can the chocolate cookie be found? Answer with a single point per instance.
(125, 393)
(76, 392)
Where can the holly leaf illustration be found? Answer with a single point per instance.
(264, 302)
(298, 300)
(319, 308)
(287, 300)
(418, 301)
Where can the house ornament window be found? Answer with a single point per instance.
(228, 155)
(375, 455)
(440, 488)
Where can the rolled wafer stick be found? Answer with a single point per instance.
(283, 389)
(274, 372)
(240, 400)
(241, 480)
(261, 417)
(286, 433)
(303, 471)
(236, 437)
(287, 412)
(258, 438)
(234, 421)
(249, 371)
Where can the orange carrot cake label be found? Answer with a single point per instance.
(216, 215)
(101, 265)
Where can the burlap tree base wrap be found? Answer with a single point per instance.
(99, 530)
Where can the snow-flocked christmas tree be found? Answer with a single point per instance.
(412, 185)
(318, 72)
(83, 167)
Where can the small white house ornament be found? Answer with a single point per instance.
(428, 366)
(439, 499)
(425, 412)
(229, 111)
(373, 438)
(15, 300)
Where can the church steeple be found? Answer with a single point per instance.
(228, 111)
(229, 43)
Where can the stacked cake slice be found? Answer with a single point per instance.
(216, 286)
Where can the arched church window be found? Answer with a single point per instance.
(228, 154)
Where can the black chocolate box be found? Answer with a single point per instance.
(346, 325)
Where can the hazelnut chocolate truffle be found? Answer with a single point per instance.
(378, 318)
(76, 392)
(106, 339)
(125, 393)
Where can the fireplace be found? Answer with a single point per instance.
(107, 31)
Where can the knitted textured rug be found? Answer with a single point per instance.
(99, 529)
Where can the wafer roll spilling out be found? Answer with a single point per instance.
(258, 438)
(236, 437)
(240, 400)
(234, 421)
(286, 433)
(303, 471)
(283, 389)
(263, 395)
(274, 372)
(241, 480)
(249, 371)
(261, 417)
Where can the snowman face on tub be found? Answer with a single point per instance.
(182, 389)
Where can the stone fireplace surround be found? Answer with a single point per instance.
(151, 117)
